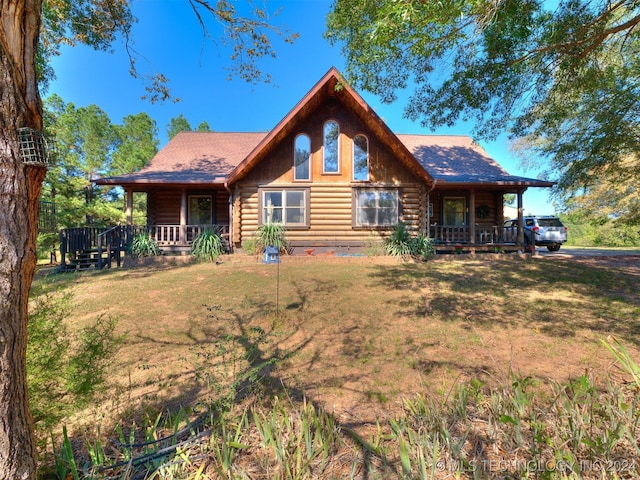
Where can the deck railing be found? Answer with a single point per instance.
(181, 235)
(484, 234)
(113, 241)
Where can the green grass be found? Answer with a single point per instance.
(462, 354)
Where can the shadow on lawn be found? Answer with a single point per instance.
(557, 298)
(232, 362)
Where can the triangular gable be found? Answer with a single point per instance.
(330, 85)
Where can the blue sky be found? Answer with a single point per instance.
(169, 40)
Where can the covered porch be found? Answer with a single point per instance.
(472, 219)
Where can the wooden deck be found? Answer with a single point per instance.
(86, 247)
(482, 238)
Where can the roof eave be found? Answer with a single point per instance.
(499, 183)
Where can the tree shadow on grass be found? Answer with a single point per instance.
(243, 354)
(557, 298)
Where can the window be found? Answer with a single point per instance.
(376, 208)
(286, 206)
(360, 158)
(331, 151)
(302, 158)
(454, 211)
(200, 210)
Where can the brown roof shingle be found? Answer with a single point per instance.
(458, 159)
(194, 158)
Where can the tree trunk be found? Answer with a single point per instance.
(20, 106)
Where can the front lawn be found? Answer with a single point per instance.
(356, 337)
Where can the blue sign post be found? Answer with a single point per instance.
(272, 255)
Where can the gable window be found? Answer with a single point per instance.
(376, 207)
(360, 158)
(287, 206)
(331, 151)
(302, 158)
(200, 210)
(454, 211)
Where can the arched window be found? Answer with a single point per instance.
(360, 158)
(302, 158)
(331, 163)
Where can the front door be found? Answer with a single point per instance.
(454, 211)
(200, 210)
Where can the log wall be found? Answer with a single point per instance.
(330, 195)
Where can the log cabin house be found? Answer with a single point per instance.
(334, 173)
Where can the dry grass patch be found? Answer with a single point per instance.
(355, 338)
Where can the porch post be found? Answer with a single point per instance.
(520, 219)
(129, 206)
(183, 218)
(472, 216)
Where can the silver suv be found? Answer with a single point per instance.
(541, 231)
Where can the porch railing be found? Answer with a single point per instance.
(484, 234)
(181, 235)
(106, 244)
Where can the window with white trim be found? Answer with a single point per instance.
(331, 150)
(376, 207)
(302, 158)
(360, 158)
(286, 206)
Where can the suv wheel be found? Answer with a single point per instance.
(553, 248)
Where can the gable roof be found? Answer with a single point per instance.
(331, 87)
(458, 160)
(223, 158)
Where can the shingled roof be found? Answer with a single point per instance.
(193, 158)
(205, 158)
(457, 159)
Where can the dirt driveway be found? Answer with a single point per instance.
(627, 260)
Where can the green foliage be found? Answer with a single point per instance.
(481, 60)
(401, 244)
(250, 246)
(623, 357)
(176, 125)
(575, 427)
(144, 245)
(88, 145)
(203, 127)
(207, 246)
(65, 371)
(136, 144)
(272, 234)
(610, 198)
(65, 462)
(46, 243)
(398, 244)
(586, 231)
